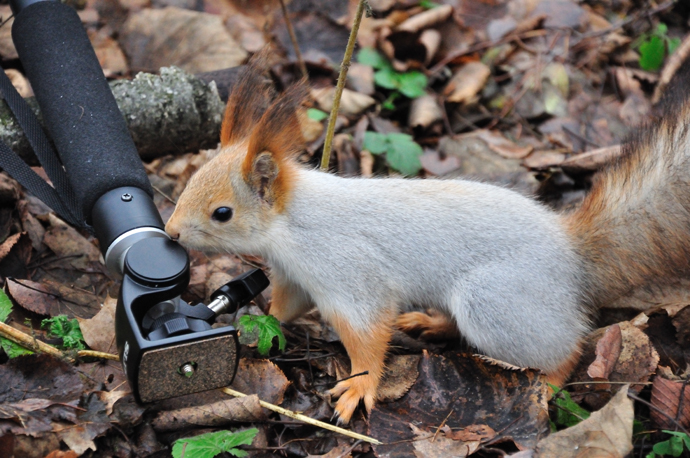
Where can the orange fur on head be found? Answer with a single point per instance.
(274, 140)
(249, 100)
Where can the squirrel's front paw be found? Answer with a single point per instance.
(351, 392)
(433, 324)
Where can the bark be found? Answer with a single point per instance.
(173, 112)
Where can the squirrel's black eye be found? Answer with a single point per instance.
(222, 214)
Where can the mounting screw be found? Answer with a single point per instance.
(187, 370)
(126, 197)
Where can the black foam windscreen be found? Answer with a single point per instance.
(78, 108)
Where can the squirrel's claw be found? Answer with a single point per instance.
(351, 392)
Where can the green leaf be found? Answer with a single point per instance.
(389, 103)
(428, 4)
(661, 29)
(210, 445)
(672, 44)
(403, 154)
(11, 349)
(569, 413)
(268, 326)
(62, 327)
(375, 142)
(387, 78)
(412, 84)
(652, 53)
(316, 115)
(372, 58)
(5, 306)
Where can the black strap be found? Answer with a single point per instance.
(61, 198)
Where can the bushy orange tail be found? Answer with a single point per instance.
(634, 226)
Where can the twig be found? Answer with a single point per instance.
(305, 419)
(652, 406)
(293, 38)
(442, 424)
(98, 354)
(31, 343)
(328, 142)
(626, 21)
(27, 341)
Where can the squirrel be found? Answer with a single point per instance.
(517, 280)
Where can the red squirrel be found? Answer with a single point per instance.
(515, 279)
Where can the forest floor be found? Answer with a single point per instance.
(537, 95)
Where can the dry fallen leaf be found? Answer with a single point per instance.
(154, 38)
(606, 433)
(32, 296)
(502, 145)
(607, 352)
(467, 82)
(352, 103)
(99, 331)
(426, 19)
(429, 445)
(401, 373)
(424, 111)
(235, 410)
(666, 398)
(261, 377)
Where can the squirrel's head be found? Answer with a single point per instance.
(230, 203)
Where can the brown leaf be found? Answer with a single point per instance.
(502, 145)
(542, 160)
(15, 254)
(424, 111)
(448, 387)
(401, 373)
(428, 445)
(261, 377)
(467, 82)
(39, 376)
(32, 296)
(67, 242)
(433, 164)
(7, 49)
(7, 245)
(236, 410)
(195, 42)
(606, 433)
(109, 398)
(109, 54)
(426, 19)
(470, 433)
(99, 331)
(351, 104)
(666, 398)
(607, 352)
(638, 358)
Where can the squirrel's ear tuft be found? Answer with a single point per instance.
(250, 98)
(275, 139)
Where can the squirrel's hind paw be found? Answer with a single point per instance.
(351, 392)
(433, 325)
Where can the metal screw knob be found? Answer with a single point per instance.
(187, 370)
(126, 197)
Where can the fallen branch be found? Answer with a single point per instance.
(31, 343)
(305, 419)
(173, 112)
(674, 62)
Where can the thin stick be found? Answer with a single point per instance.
(330, 131)
(293, 38)
(98, 354)
(31, 343)
(305, 419)
(27, 341)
